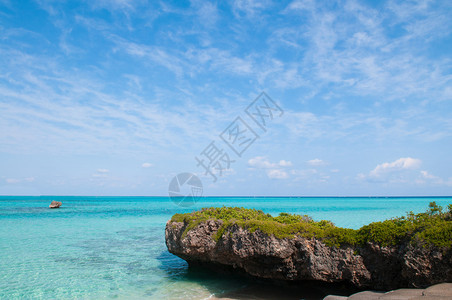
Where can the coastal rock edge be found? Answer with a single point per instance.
(299, 259)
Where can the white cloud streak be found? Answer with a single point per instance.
(316, 162)
(261, 162)
(372, 75)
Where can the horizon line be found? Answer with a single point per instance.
(242, 196)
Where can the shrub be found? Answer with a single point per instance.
(434, 227)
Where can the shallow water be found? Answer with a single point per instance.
(114, 247)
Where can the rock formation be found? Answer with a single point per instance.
(55, 204)
(442, 291)
(298, 258)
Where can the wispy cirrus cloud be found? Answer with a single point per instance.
(358, 81)
(52, 105)
(249, 8)
(369, 60)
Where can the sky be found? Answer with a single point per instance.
(117, 97)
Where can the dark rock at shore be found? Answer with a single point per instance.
(306, 259)
(55, 204)
(441, 291)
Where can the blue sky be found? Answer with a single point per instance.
(116, 97)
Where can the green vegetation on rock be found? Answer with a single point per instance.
(433, 227)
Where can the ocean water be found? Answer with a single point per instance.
(114, 247)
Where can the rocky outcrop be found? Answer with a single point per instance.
(299, 259)
(441, 291)
(55, 204)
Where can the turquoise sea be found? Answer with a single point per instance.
(114, 247)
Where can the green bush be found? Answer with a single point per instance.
(434, 227)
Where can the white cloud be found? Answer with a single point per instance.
(404, 163)
(277, 174)
(425, 177)
(300, 5)
(18, 180)
(285, 163)
(114, 5)
(207, 12)
(249, 7)
(226, 172)
(274, 170)
(100, 173)
(12, 180)
(345, 52)
(310, 176)
(403, 171)
(261, 162)
(316, 162)
(369, 60)
(146, 165)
